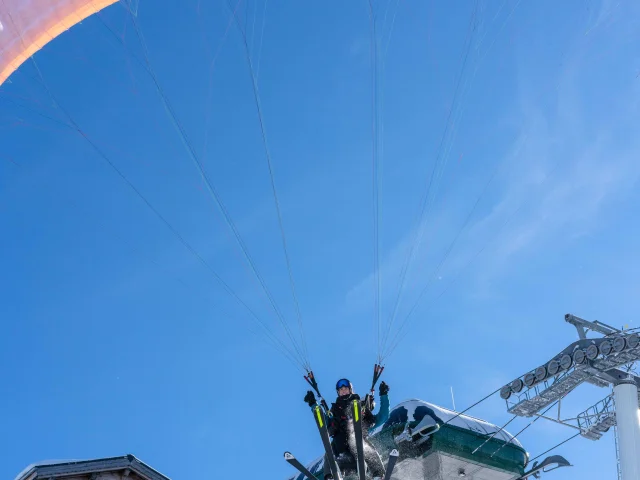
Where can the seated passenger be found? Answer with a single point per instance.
(340, 426)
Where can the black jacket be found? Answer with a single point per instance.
(341, 415)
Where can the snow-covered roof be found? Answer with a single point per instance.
(450, 417)
(57, 468)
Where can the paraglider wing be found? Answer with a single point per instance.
(28, 25)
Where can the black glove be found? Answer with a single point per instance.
(310, 398)
(384, 388)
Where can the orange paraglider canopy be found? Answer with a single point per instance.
(28, 25)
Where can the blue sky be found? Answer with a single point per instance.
(116, 339)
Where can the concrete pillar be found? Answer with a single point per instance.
(628, 425)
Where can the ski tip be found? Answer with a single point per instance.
(394, 453)
(288, 456)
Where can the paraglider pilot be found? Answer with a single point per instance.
(340, 425)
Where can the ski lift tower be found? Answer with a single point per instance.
(606, 361)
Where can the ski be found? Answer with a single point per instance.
(393, 458)
(298, 466)
(321, 422)
(357, 427)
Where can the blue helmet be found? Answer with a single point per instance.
(344, 382)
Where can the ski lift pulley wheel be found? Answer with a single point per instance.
(619, 344)
(505, 392)
(529, 379)
(592, 352)
(579, 357)
(553, 367)
(517, 385)
(606, 347)
(565, 362)
(541, 373)
(633, 340)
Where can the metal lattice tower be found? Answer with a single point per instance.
(602, 361)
